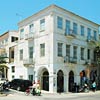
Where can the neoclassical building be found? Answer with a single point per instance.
(56, 48)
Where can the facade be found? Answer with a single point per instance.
(56, 49)
(7, 42)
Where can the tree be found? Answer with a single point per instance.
(3, 59)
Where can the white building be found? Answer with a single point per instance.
(8, 41)
(55, 47)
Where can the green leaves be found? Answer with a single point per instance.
(3, 59)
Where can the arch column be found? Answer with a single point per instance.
(66, 83)
(51, 83)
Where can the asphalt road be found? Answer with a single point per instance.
(13, 95)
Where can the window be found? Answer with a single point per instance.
(12, 54)
(13, 76)
(88, 54)
(59, 22)
(31, 28)
(42, 24)
(82, 53)
(75, 28)
(42, 49)
(30, 52)
(13, 39)
(67, 27)
(74, 52)
(13, 69)
(95, 35)
(30, 77)
(68, 50)
(21, 54)
(6, 40)
(21, 34)
(60, 49)
(88, 33)
(82, 30)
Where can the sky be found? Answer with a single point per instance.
(13, 11)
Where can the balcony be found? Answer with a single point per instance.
(70, 33)
(70, 60)
(29, 36)
(91, 63)
(28, 62)
(91, 39)
(73, 60)
(87, 62)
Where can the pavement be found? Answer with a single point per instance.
(44, 93)
(48, 94)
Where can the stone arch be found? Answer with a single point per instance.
(43, 77)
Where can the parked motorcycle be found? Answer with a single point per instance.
(84, 88)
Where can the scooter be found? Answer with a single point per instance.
(36, 91)
(84, 89)
(33, 91)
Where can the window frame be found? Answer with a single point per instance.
(59, 22)
(60, 46)
(42, 50)
(21, 54)
(75, 28)
(42, 24)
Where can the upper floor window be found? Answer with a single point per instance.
(95, 35)
(21, 34)
(13, 39)
(82, 53)
(89, 33)
(42, 24)
(68, 50)
(42, 49)
(31, 28)
(75, 28)
(67, 30)
(21, 54)
(75, 52)
(82, 30)
(30, 52)
(59, 22)
(60, 49)
(13, 69)
(2, 42)
(6, 40)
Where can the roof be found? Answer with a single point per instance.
(55, 6)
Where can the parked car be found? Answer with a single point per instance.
(20, 84)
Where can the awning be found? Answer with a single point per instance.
(3, 66)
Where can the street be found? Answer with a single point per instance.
(13, 95)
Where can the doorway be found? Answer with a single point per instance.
(46, 80)
(60, 81)
(71, 81)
